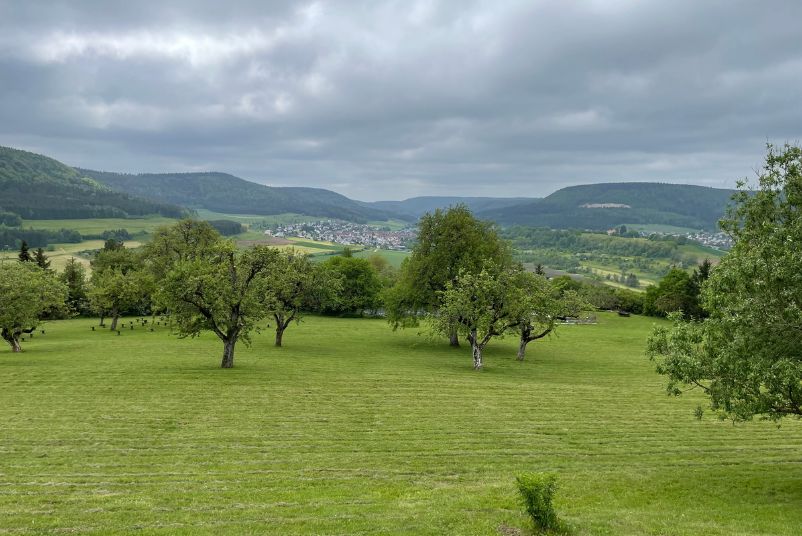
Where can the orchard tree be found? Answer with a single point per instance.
(223, 292)
(450, 242)
(26, 293)
(478, 306)
(116, 272)
(113, 292)
(536, 306)
(186, 240)
(296, 284)
(746, 355)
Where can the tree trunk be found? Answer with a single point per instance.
(453, 338)
(228, 352)
(477, 357)
(476, 350)
(281, 325)
(522, 348)
(114, 317)
(102, 317)
(12, 339)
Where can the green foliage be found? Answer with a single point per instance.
(27, 292)
(115, 291)
(537, 492)
(535, 306)
(38, 237)
(218, 289)
(24, 253)
(295, 284)
(38, 187)
(745, 356)
(358, 284)
(478, 306)
(186, 240)
(675, 292)
(449, 243)
(227, 227)
(74, 277)
(40, 259)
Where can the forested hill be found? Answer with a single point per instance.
(221, 192)
(37, 187)
(416, 207)
(606, 205)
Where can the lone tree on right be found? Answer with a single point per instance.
(747, 356)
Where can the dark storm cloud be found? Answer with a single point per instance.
(394, 99)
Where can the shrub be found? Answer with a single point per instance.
(536, 491)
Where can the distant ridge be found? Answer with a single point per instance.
(38, 187)
(415, 207)
(221, 192)
(606, 205)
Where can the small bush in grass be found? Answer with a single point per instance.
(537, 490)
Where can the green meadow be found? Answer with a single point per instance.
(352, 428)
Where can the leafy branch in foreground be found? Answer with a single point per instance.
(747, 356)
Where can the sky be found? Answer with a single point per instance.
(389, 100)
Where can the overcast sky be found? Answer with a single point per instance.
(387, 100)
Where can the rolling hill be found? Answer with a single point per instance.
(416, 207)
(606, 205)
(37, 187)
(221, 192)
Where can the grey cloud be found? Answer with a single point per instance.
(394, 99)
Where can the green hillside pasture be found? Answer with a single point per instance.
(63, 252)
(395, 258)
(95, 226)
(352, 428)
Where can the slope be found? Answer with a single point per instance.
(38, 187)
(601, 206)
(415, 207)
(221, 192)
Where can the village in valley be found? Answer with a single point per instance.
(347, 233)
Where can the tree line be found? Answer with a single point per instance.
(461, 280)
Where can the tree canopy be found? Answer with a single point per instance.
(747, 356)
(26, 293)
(450, 242)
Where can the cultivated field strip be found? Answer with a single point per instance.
(354, 429)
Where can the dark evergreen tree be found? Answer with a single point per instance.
(24, 253)
(41, 259)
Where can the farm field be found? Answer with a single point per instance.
(351, 428)
(95, 226)
(62, 253)
(394, 257)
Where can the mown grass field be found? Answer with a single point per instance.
(353, 429)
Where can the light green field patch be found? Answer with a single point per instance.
(395, 258)
(96, 226)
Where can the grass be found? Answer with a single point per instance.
(95, 226)
(354, 429)
(395, 258)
